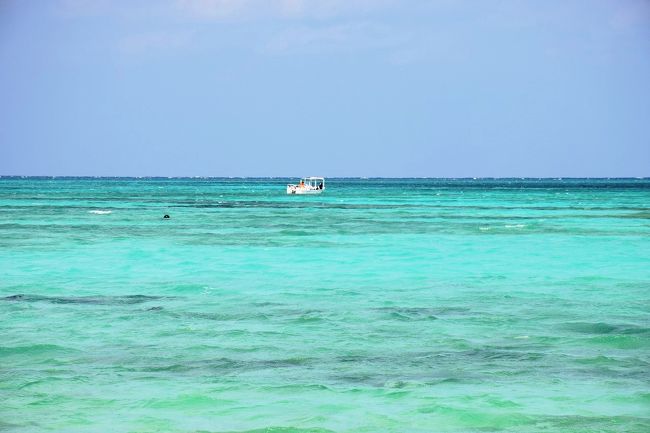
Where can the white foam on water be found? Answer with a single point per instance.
(515, 226)
(100, 212)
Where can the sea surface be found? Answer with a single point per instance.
(382, 305)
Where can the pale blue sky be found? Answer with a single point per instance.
(325, 87)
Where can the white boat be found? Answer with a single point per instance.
(307, 185)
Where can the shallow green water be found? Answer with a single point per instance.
(379, 306)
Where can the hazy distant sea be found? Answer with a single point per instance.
(412, 305)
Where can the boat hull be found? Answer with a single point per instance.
(295, 189)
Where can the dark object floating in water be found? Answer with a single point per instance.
(166, 217)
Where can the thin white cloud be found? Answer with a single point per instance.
(131, 10)
(73, 8)
(347, 36)
(215, 9)
(247, 9)
(155, 41)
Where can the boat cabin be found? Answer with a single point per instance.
(317, 183)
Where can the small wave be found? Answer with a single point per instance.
(606, 328)
(591, 328)
(98, 300)
(100, 212)
(34, 349)
(515, 226)
(410, 313)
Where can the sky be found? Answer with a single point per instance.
(409, 88)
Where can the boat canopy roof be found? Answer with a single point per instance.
(313, 178)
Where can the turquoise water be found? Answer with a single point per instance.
(380, 306)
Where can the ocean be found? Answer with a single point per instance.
(382, 305)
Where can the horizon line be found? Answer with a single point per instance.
(332, 177)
